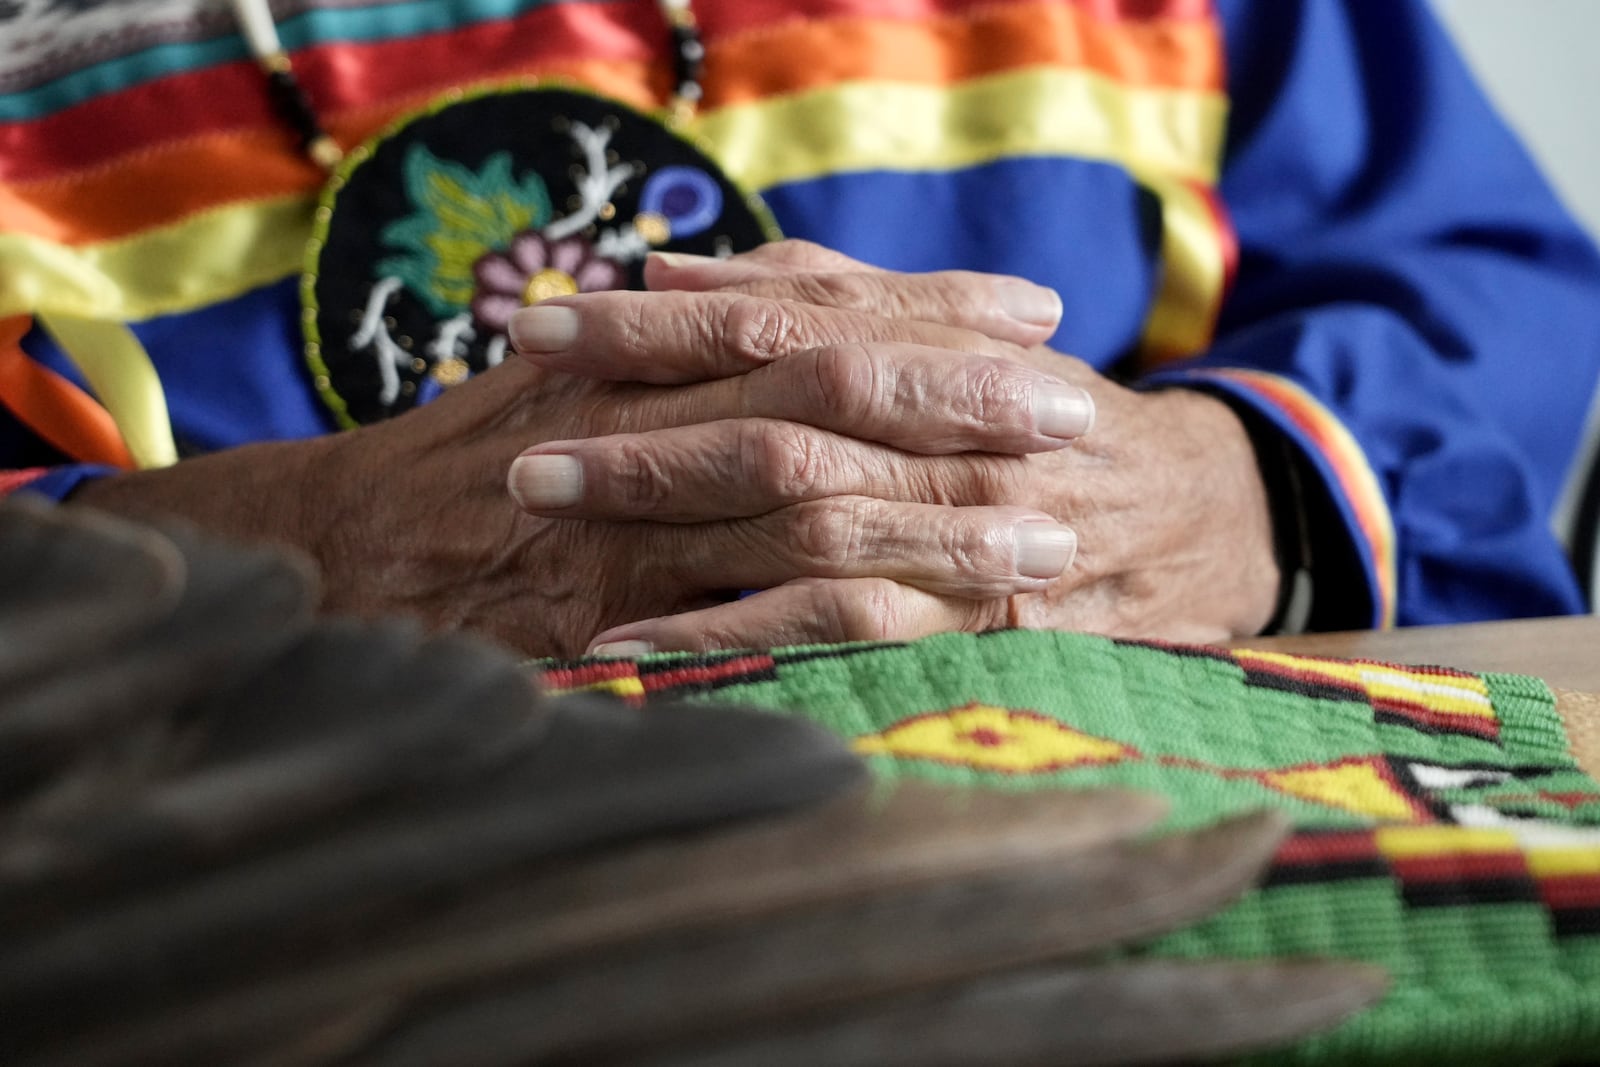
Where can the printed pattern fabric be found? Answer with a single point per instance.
(1442, 827)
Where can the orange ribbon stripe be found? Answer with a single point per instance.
(163, 183)
(54, 408)
(800, 56)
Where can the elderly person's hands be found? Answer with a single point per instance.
(412, 515)
(1174, 533)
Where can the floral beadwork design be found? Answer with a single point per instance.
(481, 243)
(535, 268)
(433, 235)
(458, 213)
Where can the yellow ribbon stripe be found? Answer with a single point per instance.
(214, 256)
(120, 373)
(1193, 274)
(899, 126)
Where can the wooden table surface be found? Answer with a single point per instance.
(1564, 652)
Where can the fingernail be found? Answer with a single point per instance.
(623, 649)
(543, 328)
(1062, 410)
(683, 259)
(1044, 549)
(541, 482)
(1029, 303)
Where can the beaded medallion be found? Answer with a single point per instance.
(429, 237)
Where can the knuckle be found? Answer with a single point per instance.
(827, 534)
(982, 554)
(865, 610)
(646, 481)
(757, 329)
(635, 329)
(972, 552)
(787, 460)
(845, 381)
(998, 395)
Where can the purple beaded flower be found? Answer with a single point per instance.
(535, 268)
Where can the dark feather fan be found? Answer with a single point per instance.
(232, 832)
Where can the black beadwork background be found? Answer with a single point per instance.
(532, 125)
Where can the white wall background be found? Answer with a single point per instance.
(1537, 59)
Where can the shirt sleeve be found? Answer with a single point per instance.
(1413, 308)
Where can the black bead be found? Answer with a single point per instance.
(688, 55)
(294, 106)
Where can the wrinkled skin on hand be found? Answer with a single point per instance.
(412, 515)
(435, 535)
(1175, 536)
(1173, 529)
(873, 450)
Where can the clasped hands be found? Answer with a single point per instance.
(879, 456)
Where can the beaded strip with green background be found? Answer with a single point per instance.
(1443, 827)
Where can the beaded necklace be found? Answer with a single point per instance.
(428, 237)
